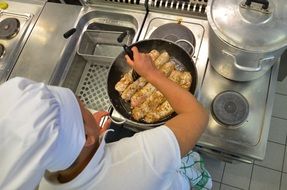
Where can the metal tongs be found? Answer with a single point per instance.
(129, 52)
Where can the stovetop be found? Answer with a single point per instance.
(16, 23)
(248, 133)
(246, 140)
(198, 28)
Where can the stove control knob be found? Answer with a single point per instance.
(3, 5)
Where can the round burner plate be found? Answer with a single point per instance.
(9, 28)
(230, 108)
(174, 32)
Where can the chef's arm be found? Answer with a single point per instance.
(191, 118)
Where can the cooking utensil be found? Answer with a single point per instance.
(103, 119)
(244, 40)
(129, 52)
(69, 33)
(119, 67)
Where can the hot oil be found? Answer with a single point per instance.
(178, 65)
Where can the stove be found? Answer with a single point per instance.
(239, 112)
(9, 28)
(16, 23)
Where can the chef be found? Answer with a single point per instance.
(46, 128)
(156, 159)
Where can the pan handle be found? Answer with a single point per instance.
(190, 44)
(127, 49)
(116, 121)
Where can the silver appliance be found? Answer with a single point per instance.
(240, 112)
(16, 24)
(249, 48)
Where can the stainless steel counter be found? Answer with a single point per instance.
(26, 15)
(245, 142)
(46, 43)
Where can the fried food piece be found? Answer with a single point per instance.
(151, 103)
(140, 83)
(127, 79)
(124, 82)
(154, 100)
(186, 80)
(175, 76)
(167, 68)
(141, 95)
(160, 112)
(162, 59)
(132, 88)
(154, 54)
(165, 108)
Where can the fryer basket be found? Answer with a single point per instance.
(101, 44)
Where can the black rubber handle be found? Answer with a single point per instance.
(126, 48)
(265, 3)
(69, 33)
(128, 51)
(122, 36)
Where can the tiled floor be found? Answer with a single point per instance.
(269, 174)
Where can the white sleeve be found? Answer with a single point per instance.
(161, 149)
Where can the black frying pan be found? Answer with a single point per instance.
(119, 67)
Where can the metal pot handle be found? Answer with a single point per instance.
(265, 3)
(248, 69)
(190, 44)
(110, 110)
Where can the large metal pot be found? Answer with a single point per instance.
(119, 67)
(246, 38)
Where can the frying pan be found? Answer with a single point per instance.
(119, 67)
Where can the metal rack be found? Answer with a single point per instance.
(195, 8)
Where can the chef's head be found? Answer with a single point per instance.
(92, 135)
(47, 118)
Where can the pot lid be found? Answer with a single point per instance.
(256, 27)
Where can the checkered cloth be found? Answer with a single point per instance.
(192, 168)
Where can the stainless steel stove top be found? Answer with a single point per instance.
(248, 139)
(198, 28)
(16, 23)
(245, 141)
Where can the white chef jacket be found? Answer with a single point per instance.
(147, 161)
(41, 128)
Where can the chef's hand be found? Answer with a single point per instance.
(100, 115)
(142, 63)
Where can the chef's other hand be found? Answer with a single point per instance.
(98, 116)
(142, 63)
